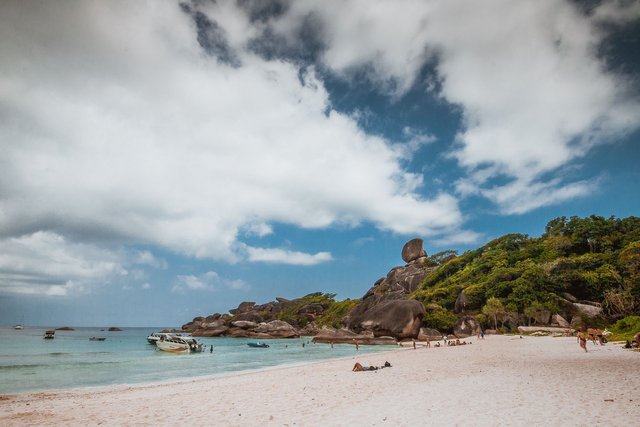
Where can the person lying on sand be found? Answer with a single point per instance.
(359, 368)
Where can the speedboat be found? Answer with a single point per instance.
(18, 327)
(49, 335)
(258, 344)
(157, 336)
(173, 345)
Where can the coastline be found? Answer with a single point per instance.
(502, 380)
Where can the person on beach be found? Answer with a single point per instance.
(444, 338)
(414, 343)
(428, 344)
(359, 368)
(582, 340)
(211, 349)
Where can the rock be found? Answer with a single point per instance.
(65, 328)
(212, 325)
(432, 334)
(213, 332)
(461, 303)
(536, 329)
(588, 309)
(277, 329)
(244, 324)
(636, 338)
(576, 323)
(556, 319)
(412, 250)
(395, 318)
(542, 317)
(282, 300)
(315, 309)
(243, 307)
(250, 316)
(114, 329)
(238, 333)
(212, 317)
(569, 297)
(466, 326)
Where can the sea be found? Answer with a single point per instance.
(30, 363)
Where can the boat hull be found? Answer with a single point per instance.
(173, 347)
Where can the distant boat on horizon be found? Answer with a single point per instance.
(20, 325)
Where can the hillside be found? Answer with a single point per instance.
(577, 262)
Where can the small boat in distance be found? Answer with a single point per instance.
(18, 327)
(258, 344)
(49, 335)
(97, 339)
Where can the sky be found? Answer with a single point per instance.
(166, 160)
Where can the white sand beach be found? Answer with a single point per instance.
(502, 380)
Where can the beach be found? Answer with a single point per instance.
(501, 380)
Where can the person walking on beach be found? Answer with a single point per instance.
(444, 338)
(428, 344)
(582, 340)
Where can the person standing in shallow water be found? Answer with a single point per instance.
(582, 340)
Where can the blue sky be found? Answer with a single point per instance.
(163, 161)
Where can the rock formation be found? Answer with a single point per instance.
(466, 326)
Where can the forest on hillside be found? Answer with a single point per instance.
(515, 278)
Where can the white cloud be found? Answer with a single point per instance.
(147, 258)
(45, 263)
(284, 256)
(209, 281)
(135, 136)
(533, 92)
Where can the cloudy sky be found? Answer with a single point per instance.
(162, 160)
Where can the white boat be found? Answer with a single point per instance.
(157, 336)
(173, 345)
(18, 327)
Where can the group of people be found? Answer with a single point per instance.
(594, 334)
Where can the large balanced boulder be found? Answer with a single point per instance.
(396, 318)
(412, 250)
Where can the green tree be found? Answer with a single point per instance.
(494, 309)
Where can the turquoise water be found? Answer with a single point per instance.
(30, 363)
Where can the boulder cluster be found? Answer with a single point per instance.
(383, 316)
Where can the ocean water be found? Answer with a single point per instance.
(30, 363)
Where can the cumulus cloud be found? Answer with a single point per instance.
(45, 263)
(209, 281)
(141, 136)
(284, 256)
(534, 94)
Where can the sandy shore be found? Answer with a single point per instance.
(502, 380)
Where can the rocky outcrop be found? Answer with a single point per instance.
(383, 311)
(461, 303)
(466, 326)
(396, 318)
(557, 320)
(432, 334)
